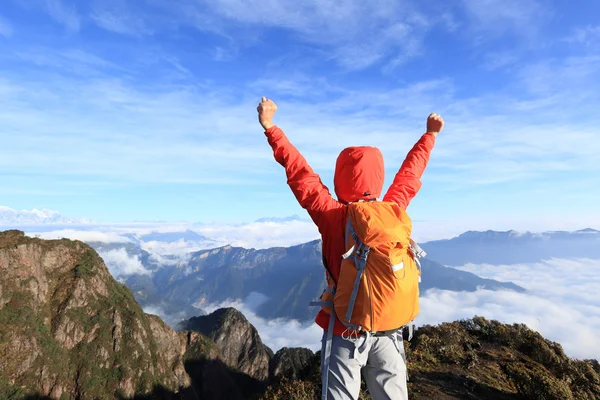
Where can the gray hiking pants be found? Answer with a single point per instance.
(382, 361)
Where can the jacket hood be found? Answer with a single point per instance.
(359, 174)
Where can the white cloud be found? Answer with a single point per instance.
(561, 302)
(532, 130)
(155, 310)
(262, 235)
(259, 235)
(565, 76)
(174, 253)
(83, 235)
(524, 143)
(119, 263)
(573, 326)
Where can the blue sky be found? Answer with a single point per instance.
(122, 110)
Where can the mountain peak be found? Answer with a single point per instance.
(61, 308)
(171, 237)
(237, 340)
(588, 230)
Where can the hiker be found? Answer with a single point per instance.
(353, 341)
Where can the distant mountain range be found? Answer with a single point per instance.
(511, 247)
(8, 216)
(287, 278)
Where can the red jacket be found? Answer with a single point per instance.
(359, 174)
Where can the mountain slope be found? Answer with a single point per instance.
(288, 279)
(67, 328)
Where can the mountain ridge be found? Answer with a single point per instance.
(511, 247)
(289, 278)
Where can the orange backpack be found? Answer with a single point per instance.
(378, 284)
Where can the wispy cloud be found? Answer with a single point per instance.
(346, 31)
(498, 60)
(587, 36)
(258, 235)
(220, 53)
(262, 235)
(156, 110)
(491, 139)
(5, 27)
(499, 17)
(68, 61)
(65, 14)
(83, 235)
(120, 21)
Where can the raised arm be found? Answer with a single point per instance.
(306, 185)
(408, 179)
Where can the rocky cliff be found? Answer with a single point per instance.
(69, 330)
(237, 340)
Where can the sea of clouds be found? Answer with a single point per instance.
(561, 300)
(561, 303)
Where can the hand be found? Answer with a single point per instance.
(435, 124)
(266, 110)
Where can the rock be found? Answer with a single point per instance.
(237, 340)
(67, 328)
(291, 363)
(212, 379)
(239, 347)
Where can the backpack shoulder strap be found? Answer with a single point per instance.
(349, 232)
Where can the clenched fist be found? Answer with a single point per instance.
(266, 110)
(435, 123)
